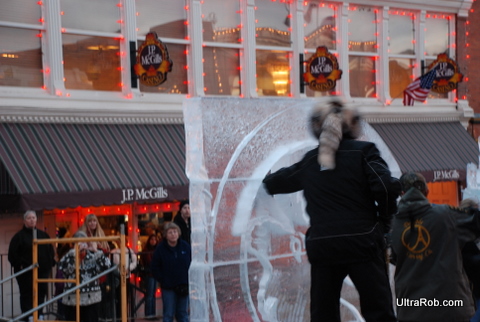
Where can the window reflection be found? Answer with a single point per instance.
(319, 25)
(272, 29)
(436, 36)
(167, 18)
(273, 73)
(23, 11)
(400, 72)
(221, 21)
(222, 72)
(362, 29)
(362, 76)
(90, 15)
(91, 63)
(20, 58)
(401, 31)
(176, 82)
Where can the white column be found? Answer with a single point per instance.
(195, 56)
(342, 49)
(52, 48)
(382, 65)
(129, 33)
(248, 54)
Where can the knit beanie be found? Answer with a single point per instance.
(183, 203)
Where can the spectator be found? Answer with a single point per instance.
(147, 277)
(130, 265)
(60, 286)
(427, 241)
(20, 257)
(170, 264)
(92, 262)
(182, 219)
(350, 197)
(93, 229)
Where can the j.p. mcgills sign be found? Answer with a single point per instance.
(153, 62)
(143, 194)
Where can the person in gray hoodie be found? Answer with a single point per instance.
(427, 241)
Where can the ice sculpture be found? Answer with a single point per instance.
(249, 261)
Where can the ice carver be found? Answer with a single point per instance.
(351, 198)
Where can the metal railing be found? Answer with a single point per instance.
(34, 268)
(9, 304)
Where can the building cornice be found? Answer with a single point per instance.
(18, 114)
(459, 7)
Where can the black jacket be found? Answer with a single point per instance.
(184, 227)
(170, 264)
(20, 250)
(428, 240)
(346, 204)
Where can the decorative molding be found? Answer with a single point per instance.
(409, 119)
(35, 115)
(460, 7)
(89, 120)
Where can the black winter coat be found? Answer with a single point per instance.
(350, 207)
(20, 251)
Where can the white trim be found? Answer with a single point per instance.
(459, 7)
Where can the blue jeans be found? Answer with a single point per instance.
(150, 288)
(174, 306)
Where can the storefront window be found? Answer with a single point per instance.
(319, 25)
(20, 58)
(437, 34)
(273, 28)
(221, 21)
(167, 18)
(22, 11)
(362, 29)
(139, 220)
(362, 76)
(176, 82)
(400, 72)
(90, 15)
(91, 63)
(221, 69)
(401, 32)
(273, 73)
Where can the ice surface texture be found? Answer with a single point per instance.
(249, 261)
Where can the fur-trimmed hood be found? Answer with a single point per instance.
(330, 124)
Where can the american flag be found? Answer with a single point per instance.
(419, 89)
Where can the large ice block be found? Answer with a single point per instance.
(249, 261)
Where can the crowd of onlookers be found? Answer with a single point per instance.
(164, 261)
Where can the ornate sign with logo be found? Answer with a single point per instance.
(153, 61)
(447, 75)
(322, 71)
